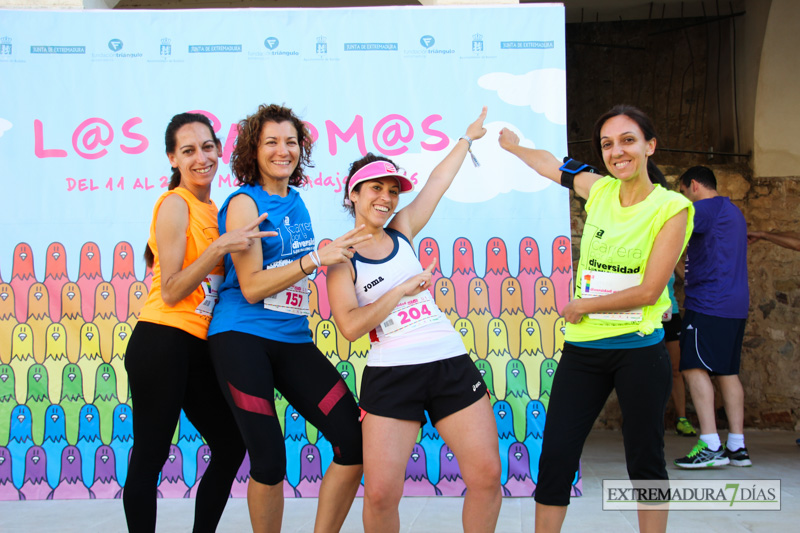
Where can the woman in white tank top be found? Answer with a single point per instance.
(383, 292)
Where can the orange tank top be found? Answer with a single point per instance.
(193, 313)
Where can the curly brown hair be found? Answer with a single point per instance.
(244, 159)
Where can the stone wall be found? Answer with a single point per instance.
(770, 370)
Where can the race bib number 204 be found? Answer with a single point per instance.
(410, 313)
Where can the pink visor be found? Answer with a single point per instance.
(380, 169)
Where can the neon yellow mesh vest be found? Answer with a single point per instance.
(620, 239)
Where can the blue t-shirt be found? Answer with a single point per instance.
(716, 261)
(622, 342)
(289, 217)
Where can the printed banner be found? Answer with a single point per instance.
(84, 101)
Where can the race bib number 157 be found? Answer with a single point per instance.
(292, 300)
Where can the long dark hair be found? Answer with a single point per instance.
(244, 159)
(644, 123)
(655, 174)
(171, 143)
(171, 138)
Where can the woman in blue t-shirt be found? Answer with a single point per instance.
(259, 336)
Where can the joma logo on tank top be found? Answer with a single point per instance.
(372, 283)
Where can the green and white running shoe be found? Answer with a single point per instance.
(702, 457)
(684, 428)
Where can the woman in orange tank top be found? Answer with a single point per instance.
(168, 363)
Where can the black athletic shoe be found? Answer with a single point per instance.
(738, 458)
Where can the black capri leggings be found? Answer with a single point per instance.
(169, 369)
(250, 367)
(583, 382)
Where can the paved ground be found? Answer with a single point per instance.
(775, 456)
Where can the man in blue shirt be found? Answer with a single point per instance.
(717, 303)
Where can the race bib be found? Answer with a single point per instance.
(667, 316)
(410, 313)
(211, 289)
(594, 284)
(292, 300)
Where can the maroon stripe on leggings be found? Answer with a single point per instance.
(248, 402)
(333, 396)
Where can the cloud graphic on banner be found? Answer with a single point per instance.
(543, 90)
(500, 172)
(4, 126)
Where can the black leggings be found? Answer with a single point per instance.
(169, 369)
(250, 367)
(584, 379)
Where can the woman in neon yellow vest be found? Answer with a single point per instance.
(635, 232)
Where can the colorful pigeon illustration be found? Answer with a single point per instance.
(55, 276)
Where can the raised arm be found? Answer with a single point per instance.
(663, 258)
(172, 222)
(257, 283)
(787, 239)
(354, 321)
(545, 164)
(412, 218)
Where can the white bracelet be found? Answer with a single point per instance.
(315, 259)
(469, 149)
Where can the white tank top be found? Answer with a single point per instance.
(417, 331)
